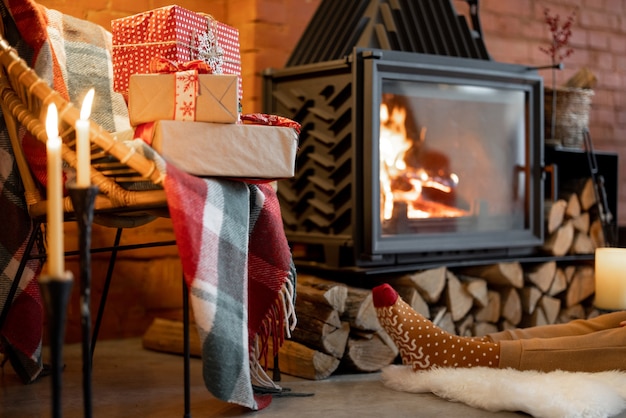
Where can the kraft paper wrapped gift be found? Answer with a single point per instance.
(175, 33)
(227, 150)
(152, 97)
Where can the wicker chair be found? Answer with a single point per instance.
(114, 165)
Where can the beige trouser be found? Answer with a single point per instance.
(591, 345)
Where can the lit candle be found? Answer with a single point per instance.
(610, 275)
(55, 196)
(83, 147)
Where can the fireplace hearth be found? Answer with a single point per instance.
(415, 146)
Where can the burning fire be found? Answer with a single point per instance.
(406, 183)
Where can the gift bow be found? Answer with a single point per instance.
(186, 83)
(160, 65)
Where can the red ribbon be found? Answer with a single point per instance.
(270, 120)
(160, 65)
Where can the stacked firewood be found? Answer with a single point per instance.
(337, 329)
(572, 221)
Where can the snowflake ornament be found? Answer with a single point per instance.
(209, 51)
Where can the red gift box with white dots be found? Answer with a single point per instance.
(174, 33)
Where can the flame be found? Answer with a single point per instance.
(403, 183)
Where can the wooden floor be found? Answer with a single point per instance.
(129, 381)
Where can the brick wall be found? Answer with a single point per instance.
(269, 30)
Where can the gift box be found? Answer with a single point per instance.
(227, 150)
(184, 96)
(174, 33)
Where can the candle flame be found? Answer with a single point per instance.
(85, 111)
(52, 122)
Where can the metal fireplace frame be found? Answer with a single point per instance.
(348, 112)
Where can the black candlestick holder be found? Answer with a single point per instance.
(83, 199)
(56, 292)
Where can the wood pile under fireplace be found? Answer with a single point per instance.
(337, 329)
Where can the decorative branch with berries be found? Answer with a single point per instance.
(558, 50)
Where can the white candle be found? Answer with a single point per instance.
(55, 196)
(83, 147)
(610, 275)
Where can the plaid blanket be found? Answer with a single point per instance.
(238, 267)
(71, 55)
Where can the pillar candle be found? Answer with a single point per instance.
(54, 196)
(610, 276)
(83, 146)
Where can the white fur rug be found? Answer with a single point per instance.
(549, 395)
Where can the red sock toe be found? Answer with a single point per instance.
(384, 295)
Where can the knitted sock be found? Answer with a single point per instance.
(422, 344)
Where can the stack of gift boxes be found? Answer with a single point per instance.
(180, 72)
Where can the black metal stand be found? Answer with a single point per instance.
(83, 199)
(55, 292)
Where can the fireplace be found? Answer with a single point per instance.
(459, 177)
(408, 157)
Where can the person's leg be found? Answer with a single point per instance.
(603, 350)
(423, 345)
(576, 327)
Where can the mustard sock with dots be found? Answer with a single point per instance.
(421, 343)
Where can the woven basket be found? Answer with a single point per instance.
(572, 115)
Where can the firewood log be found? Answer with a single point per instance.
(585, 190)
(320, 312)
(551, 308)
(559, 242)
(573, 209)
(500, 274)
(559, 283)
(458, 300)
(360, 312)
(367, 352)
(430, 283)
(569, 273)
(582, 222)
(582, 244)
(511, 305)
(554, 213)
(541, 274)
(298, 360)
(334, 293)
(581, 287)
(491, 311)
(478, 289)
(321, 336)
(597, 234)
(530, 296)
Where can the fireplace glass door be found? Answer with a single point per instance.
(454, 161)
(439, 169)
